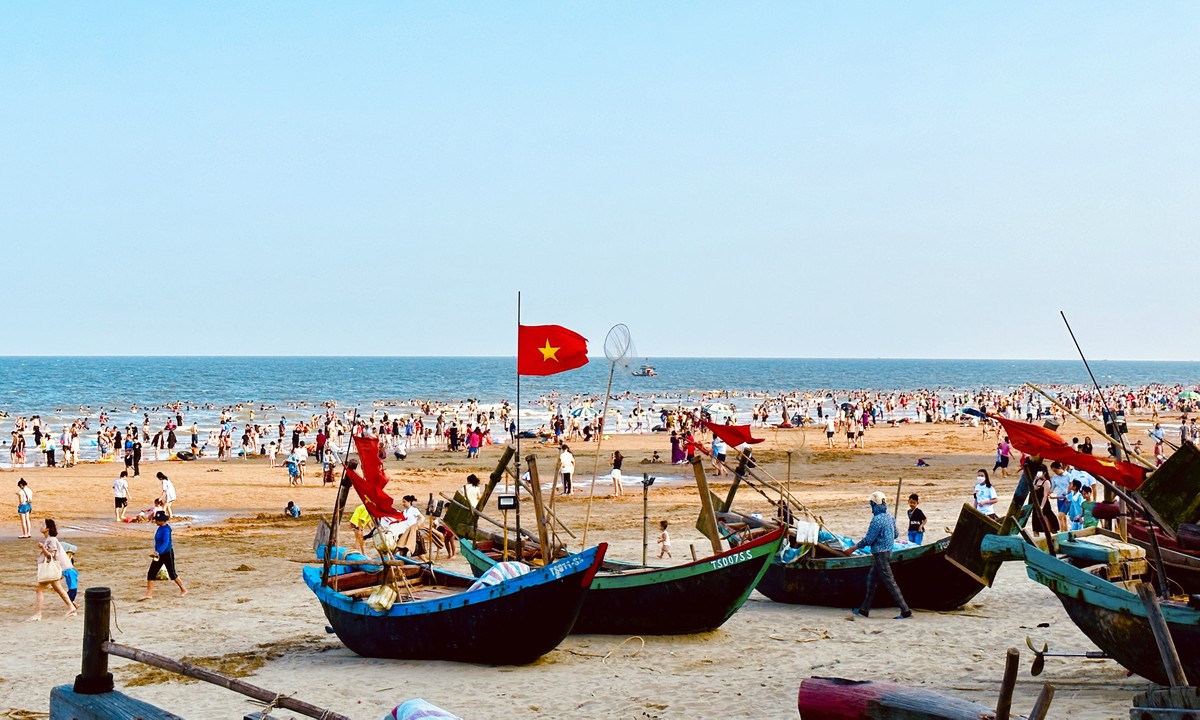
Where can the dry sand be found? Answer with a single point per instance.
(248, 611)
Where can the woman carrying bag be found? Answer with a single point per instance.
(52, 560)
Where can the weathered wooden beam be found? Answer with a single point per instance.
(285, 702)
(1162, 636)
(66, 704)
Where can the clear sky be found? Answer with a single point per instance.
(728, 179)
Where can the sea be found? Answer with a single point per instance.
(60, 389)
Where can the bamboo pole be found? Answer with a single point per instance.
(497, 523)
(612, 368)
(1146, 463)
(550, 511)
(279, 700)
(1162, 636)
(339, 505)
(535, 490)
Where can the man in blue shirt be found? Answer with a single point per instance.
(881, 537)
(163, 556)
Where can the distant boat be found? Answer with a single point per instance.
(645, 371)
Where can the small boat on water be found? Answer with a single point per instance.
(438, 615)
(645, 371)
(627, 598)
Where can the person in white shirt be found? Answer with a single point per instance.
(985, 494)
(566, 462)
(405, 529)
(121, 496)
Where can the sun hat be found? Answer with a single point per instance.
(161, 516)
(878, 498)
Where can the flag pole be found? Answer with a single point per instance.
(517, 422)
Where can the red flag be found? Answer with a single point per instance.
(549, 349)
(369, 485)
(368, 458)
(1037, 440)
(378, 502)
(733, 435)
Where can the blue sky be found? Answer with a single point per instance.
(728, 179)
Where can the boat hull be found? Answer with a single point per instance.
(838, 699)
(1112, 616)
(492, 625)
(926, 578)
(678, 600)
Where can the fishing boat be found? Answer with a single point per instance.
(439, 615)
(1109, 612)
(633, 599)
(938, 576)
(645, 371)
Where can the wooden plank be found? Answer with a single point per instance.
(708, 516)
(66, 704)
(1173, 490)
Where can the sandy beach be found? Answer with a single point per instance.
(248, 612)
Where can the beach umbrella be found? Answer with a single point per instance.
(716, 408)
(1188, 395)
(584, 412)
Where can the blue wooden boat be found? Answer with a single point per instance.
(1110, 613)
(438, 618)
(631, 599)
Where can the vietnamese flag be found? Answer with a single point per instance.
(1049, 445)
(549, 349)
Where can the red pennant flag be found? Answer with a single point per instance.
(733, 435)
(369, 460)
(549, 349)
(369, 485)
(1037, 440)
(378, 502)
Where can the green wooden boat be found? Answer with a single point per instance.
(1110, 613)
(629, 599)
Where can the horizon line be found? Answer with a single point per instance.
(590, 358)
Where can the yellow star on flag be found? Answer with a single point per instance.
(548, 353)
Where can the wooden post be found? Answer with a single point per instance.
(339, 507)
(1004, 704)
(706, 505)
(738, 473)
(693, 549)
(1162, 636)
(535, 490)
(1041, 706)
(94, 677)
(645, 515)
(896, 508)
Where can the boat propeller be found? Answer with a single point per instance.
(1039, 656)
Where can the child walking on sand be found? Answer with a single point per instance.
(664, 540)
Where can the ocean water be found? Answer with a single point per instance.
(48, 384)
(60, 389)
